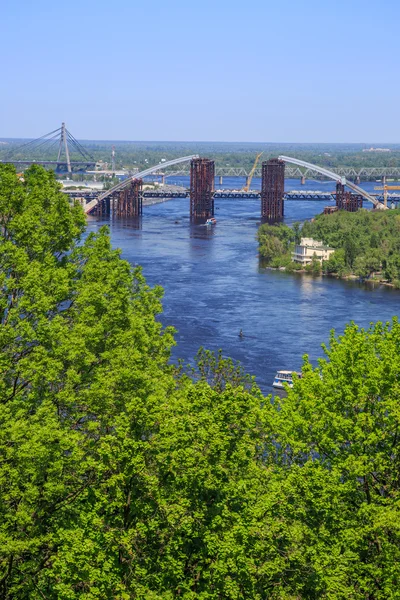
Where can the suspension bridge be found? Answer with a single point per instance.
(61, 141)
(60, 150)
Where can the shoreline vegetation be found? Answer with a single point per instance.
(366, 244)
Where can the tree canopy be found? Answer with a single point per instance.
(124, 476)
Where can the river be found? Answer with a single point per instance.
(214, 286)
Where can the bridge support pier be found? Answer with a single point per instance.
(347, 200)
(163, 179)
(129, 201)
(303, 180)
(201, 189)
(339, 196)
(353, 202)
(104, 207)
(358, 181)
(272, 189)
(220, 180)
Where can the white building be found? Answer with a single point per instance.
(376, 149)
(308, 248)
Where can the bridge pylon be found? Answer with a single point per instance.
(64, 146)
(202, 172)
(129, 201)
(347, 200)
(272, 189)
(42, 151)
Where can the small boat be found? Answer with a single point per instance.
(211, 221)
(282, 377)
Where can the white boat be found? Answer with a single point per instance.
(282, 377)
(211, 221)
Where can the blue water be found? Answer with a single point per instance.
(214, 285)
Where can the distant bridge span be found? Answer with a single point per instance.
(297, 172)
(335, 177)
(123, 184)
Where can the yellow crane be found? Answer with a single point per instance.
(250, 175)
(385, 189)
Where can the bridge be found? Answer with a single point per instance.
(296, 172)
(61, 141)
(108, 194)
(126, 198)
(331, 175)
(171, 192)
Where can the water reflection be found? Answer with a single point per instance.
(128, 222)
(202, 231)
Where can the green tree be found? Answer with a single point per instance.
(122, 476)
(297, 232)
(315, 266)
(350, 250)
(271, 248)
(336, 263)
(275, 242)
(339, 442)
(77, 329)
(117, 479)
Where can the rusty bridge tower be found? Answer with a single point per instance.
(272, 189)
(347, 200)
(129, 201)
(202, 172)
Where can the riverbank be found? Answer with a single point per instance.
(363, 246)
(351, 277)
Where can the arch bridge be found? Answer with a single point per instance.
(108, 194)
(331, 175)
(125, 198)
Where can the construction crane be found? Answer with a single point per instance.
(385, 189)
(250, 175)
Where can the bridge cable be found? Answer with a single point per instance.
(86, 155)
(31, 143)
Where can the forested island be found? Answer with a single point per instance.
(125, 476)
(366, 244)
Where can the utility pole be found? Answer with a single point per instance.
(113, 159)
(64, 144)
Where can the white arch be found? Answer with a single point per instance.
(335, 177)
(93, 203)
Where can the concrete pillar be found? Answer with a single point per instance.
(163, 179)
(358, 181)
(220, 180)
(247, 181)
(384, 179)
(303, 180)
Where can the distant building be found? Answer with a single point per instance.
(308, 248)
(376, 149)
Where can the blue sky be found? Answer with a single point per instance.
(294, 71)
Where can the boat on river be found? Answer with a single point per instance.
(282, 377)
(211, 221)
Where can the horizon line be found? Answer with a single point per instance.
(213, 141)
